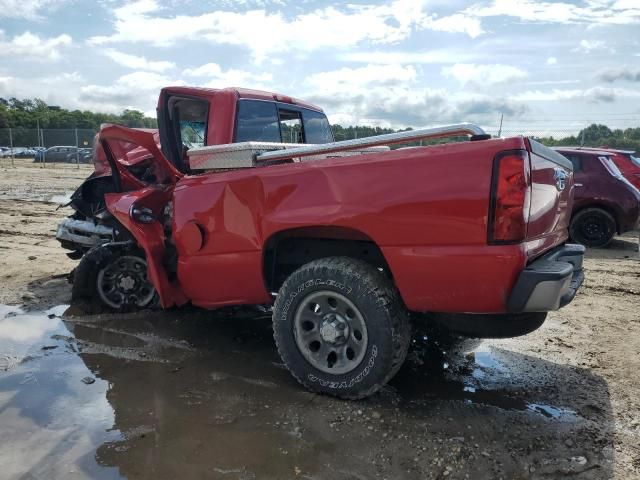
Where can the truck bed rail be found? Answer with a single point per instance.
(387, 139)
(251, 154)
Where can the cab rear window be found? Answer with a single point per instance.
(264, 121)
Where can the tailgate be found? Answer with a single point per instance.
(551, 199)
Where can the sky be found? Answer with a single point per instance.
(542, 65)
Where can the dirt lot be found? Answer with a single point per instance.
(193, 394)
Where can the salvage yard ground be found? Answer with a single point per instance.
(193, 394)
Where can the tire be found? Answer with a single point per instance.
(335, 305)
(99, 269)
(593, 227)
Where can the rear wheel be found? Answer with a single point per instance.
(113, 279)
(593, 227)
(341, 327)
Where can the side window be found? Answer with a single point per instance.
(257, 122)
(576, 161)
(316, 127)
(291, 126)
(189, 121)
(610, 166)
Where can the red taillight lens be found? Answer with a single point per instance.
(510, 197)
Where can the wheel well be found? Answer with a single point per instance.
(611, 211)
(287, 251)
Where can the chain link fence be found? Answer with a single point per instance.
(47, 145)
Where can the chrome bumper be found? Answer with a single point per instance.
(82, 233)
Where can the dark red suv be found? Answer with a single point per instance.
(605, 203)
(627, 161)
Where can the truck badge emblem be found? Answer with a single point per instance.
(560, 176)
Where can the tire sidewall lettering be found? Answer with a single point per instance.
(353, 381)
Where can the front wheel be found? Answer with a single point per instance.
(113, 279)
(593, 227)
(341, 327)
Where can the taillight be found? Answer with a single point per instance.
(510, 197)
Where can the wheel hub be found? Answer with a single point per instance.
(124, 282)
(334, 329)
(127, 283)
(330, 332)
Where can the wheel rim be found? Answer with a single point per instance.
(330, 332)
(124, 282)
(594, 228)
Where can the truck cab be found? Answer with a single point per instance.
(188, 118)
(197, 117)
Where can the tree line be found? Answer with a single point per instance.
(34, 113)
(27, 114)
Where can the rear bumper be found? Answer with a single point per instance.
(550, 282)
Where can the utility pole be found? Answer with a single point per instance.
(77, 151)
(11, 147)
(501, 119)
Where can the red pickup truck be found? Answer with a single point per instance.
(345, 239)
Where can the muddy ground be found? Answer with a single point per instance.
(194, 394)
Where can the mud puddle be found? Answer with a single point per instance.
(54, 422)
(194, 394)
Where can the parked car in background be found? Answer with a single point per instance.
(627, 161)
(56, 154)
(605, 202)
(83, 155)
(22, 152)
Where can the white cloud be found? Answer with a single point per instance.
(488, 74)
(137, 63)
(625, 12)
(587, 46)
(52, 88)
(134, 90)
(406, 57)
(457, 23)
(391, 96)
(30, 45)
(219, 78)
(552, 61)
(594, 95)
(348, 79)
(27, 9)
(264, 33)
(612, 74)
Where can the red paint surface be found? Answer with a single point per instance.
(426, 208)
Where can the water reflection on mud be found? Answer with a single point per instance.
(192, 394)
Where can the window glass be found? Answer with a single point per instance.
(291, 126)
(190, 116)
(316, 127)
(257, 122)
(576, 161)
(635, 159)
(612, 167)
